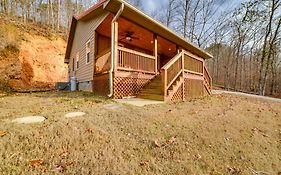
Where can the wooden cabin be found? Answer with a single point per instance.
(116, 50)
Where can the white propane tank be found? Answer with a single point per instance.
(73, 84)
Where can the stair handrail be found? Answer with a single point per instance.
(172, 61)
(208, 78)
(164, 70)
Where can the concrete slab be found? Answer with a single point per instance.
(138, 101)
(29, 119)
(112, 106)
(247, 95)
(74, 114)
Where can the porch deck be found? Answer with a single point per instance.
(184, 76)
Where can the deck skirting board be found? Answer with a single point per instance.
(101, 84)
(127, 84)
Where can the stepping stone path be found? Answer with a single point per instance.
(29, 119)
(74, 114)
(112, 106)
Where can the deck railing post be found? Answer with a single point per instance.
(183, 88)
(165, 83)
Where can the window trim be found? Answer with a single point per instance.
(88, 51)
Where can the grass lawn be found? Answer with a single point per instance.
(222, 134)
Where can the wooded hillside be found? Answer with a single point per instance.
(244, 40)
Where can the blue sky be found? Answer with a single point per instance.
(154, 5)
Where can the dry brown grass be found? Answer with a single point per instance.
(222, 134)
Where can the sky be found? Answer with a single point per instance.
(154, 5)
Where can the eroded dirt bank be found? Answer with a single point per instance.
(30, 57)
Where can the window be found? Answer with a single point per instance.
(77, 61)
(73, 65)
(88, 51)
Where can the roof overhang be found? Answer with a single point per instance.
(133, 14)
(70, 39)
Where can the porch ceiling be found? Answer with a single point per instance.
(133, 14)
(145, 37)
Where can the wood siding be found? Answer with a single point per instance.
(85, 31)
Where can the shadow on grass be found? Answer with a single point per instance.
(65, 95)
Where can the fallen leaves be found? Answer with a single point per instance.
(198, 156)
(36, 162)
(64, 155)
(157, 144)
(144, 163)
(3, 133)
(61, 167)
(259, 131)
(165, 143)
(89, 130)
(254, 172)
(171, 140)
(233, 170)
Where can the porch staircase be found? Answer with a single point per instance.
(163, 86)
(153, 90)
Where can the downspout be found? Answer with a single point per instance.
(113, 49)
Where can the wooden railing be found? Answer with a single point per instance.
(102, 62)
(130, 60)
(207, 77)
(171, 71)
(192, 64)
(182, 63)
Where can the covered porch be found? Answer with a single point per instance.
(137, 49)
(144, 63)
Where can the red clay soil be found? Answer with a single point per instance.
(36, 62)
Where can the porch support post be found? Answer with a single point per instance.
(115, 36)
(95, 50)
(114, 28)
(155, 51)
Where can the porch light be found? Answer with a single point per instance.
(128, 38)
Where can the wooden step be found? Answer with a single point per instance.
(151, 96)
(175, 86)
(156, 82)
(152, 91)
(176, 83)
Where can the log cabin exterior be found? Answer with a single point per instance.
(116, 50)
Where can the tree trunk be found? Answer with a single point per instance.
(262, 77)
(58, 16)
(52, 15)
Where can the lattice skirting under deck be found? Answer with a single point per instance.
(178, 96)
(128, 86)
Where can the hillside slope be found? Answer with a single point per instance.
(31, 57)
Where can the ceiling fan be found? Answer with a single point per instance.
(129, 36)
